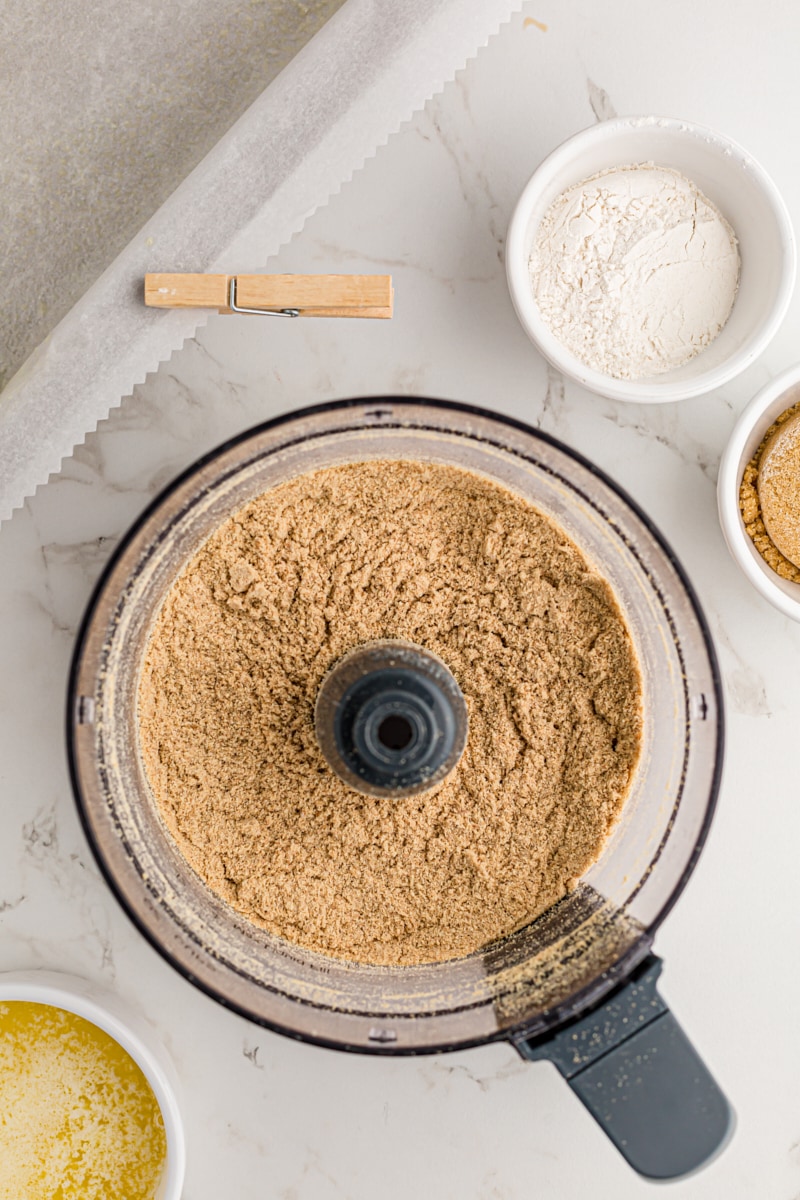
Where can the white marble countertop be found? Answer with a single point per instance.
(266, 1117)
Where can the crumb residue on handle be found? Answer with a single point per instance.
(448, 560)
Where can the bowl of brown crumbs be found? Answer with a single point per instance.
(758, 492)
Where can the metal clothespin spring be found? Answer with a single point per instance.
(259, 312)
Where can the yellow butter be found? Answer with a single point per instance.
(78, 1119)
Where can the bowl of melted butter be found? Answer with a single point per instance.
(87, 1096)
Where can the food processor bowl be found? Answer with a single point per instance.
(585, 965)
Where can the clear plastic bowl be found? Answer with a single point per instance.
(557, 966)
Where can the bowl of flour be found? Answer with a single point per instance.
(650, 259)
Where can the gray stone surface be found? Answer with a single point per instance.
(106, 107)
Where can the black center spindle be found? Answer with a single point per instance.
(391, 719)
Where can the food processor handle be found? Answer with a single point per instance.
(631, 1064)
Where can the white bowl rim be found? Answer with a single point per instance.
(69, 992)
(636, 391)
(731, 468)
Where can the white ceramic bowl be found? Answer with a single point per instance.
(740, 189)
(132, 1033)
(747, 435)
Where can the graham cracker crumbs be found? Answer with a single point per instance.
(459, 565)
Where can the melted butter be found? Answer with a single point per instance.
(78, 1119)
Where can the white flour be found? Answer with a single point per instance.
(634, 270)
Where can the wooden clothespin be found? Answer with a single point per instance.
(275, 295)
